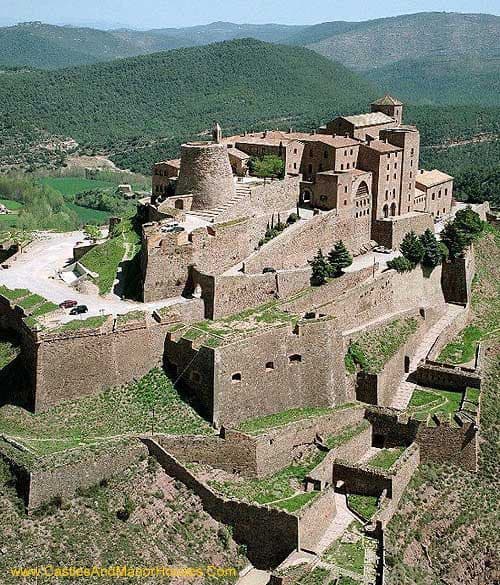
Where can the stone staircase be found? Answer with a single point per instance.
(406, 387)
(242, 192)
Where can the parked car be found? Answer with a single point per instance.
(382, 250)
(268, 269)
(79, 309)
(68, 304)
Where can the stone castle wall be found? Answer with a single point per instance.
(391, 231)
(265, 390)
(300, 242)
(457, 276)
(316, 518)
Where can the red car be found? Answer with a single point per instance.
(68, 304)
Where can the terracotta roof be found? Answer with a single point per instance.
(432, 178)
(276, 137)
(371, 119)
(387, 100)
(383, 147)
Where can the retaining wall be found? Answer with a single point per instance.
(316, 518)
(269, 534)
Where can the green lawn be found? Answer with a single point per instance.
(372, 350)
(9, 349)
(117, 411)
(297, 502)
(426, 401)
(365, 506)
(463, 348)
(347, 555)
(10, 204)
(386, 458)
(280, 419)
(105, 258)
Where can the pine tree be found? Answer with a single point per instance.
(412, 248)
(320, 269)
(454, 239)
(339, 258)
(433, 255)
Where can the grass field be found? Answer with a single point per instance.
(386, 458)
(115, 412)
(428, 401)
(70, 186)
(87, 215)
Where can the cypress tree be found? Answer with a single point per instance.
(339, 258)
(433, 255)
(412, 248)
(320, 269)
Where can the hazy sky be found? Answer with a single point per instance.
(165, 13)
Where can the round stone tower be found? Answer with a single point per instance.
(206, 174)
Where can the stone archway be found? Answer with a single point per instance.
(362, 189)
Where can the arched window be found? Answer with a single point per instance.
(385, 210)
(393, 209)
(236, 377)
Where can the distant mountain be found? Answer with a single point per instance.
(47, 46)
(457, 80)
(376, 43)
(132, 104)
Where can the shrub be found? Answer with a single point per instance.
(401, 264)
(292, 218)
(454, 239)
(468, 222)
(124, 513)
(411, 248)
(269, 165)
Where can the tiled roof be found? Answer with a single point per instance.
(432, 178)
(371, 119)
(276, 137)
(387, 100)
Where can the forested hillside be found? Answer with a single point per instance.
(376, 43)
(440, 80)
(135, 104)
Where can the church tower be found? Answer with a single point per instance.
(390, 107)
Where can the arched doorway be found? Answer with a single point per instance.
(393, 208)
(306, 196)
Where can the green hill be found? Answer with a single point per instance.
(459, 80)
(376, 43)
(132, 103)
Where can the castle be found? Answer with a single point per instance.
(242, 333)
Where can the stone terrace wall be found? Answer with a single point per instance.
(64, 365)
(457, 276)
(300, 242)
(270, 534)
(264, 198)
(234, 452)
(64, 481)
(447, 376)
(450, 332)
(405, 468)
(387, 293)
(351, 451)
(440, 443)
(316, 518)
(359, 479)
(445, 444)
(229, 294)
(276, 447)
